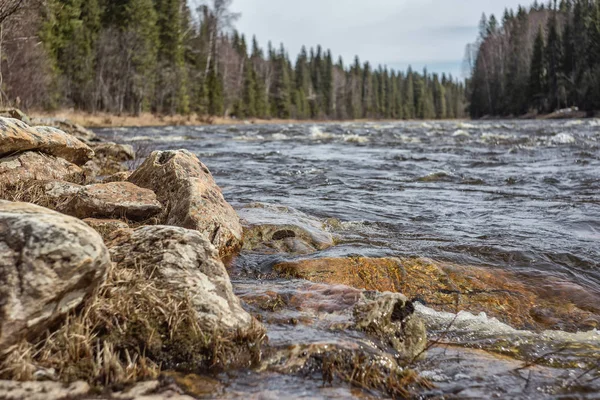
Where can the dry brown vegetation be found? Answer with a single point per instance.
(129, 330)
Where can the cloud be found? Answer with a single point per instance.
(391, 32)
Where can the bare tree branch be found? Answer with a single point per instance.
(9, 7)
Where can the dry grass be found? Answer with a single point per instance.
(369, 373)
(132, 328)
(32, 192)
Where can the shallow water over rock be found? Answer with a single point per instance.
(514, 204)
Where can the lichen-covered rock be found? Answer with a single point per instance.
(108, 161)
(189, 263)
(113, 200)
(13, 390)
(67, 126)
(390, 317)
(16, 136)
(191, 197)
(269, 228)
(117, 177)
(35, 166)
(118, 152)
(106, 227)
(49, 263)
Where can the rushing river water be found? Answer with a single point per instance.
(522, 196)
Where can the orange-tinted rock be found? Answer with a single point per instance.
(191, 197)
(511, 298)
(17, 137)
(35, 166)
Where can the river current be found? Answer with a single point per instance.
(519, 196)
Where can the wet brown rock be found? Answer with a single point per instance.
(29, 166)
(106, 227)
(113, 200)
(273, 229)
(517, 300)
(13, 390)
(358, 363)
(17, 137)
(49, 263)
(390, 317)
(189, 263)
(191, 197)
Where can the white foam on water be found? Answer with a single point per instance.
(461, 132)
(355, 139)
(464, 125)
(317, 133)
(426, 125)
(279, 136)
(562, 138)
(575, 122)
(482, 324)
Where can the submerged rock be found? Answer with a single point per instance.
(517, 300)
(29, 166)
(49, 263)
(191, 197)
(188, 262)
(16, 137)
(269, 229)
(390, 317)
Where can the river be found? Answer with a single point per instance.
(514, 196)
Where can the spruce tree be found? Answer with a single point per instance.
(537, 76)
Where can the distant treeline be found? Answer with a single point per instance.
(537, 60)
(166, 57)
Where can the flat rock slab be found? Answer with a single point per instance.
(191, 197)
(113, 200)
(36, 166)
(16, 137)
(49, 263)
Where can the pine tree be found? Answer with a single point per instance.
(537, 76)
(553, 55)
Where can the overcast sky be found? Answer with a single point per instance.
(395, 33)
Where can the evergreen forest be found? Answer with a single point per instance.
(177, 57)
(537, 60)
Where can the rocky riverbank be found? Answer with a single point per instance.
(135, 279)
(110, 277)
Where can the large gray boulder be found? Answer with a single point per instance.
(16, 137)
(49, 263)
(191, 197)
(189, 263)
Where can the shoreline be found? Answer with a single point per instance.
(106, 120)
